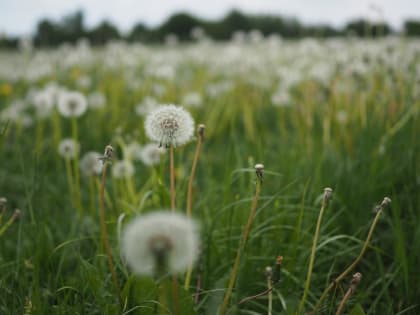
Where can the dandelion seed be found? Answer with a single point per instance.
(169, 125)
(123, 169)
(90, 164)
(68, 148)
(160, 241)
(150, 154)
(72, 104)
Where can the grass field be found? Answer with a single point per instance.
(317, 113)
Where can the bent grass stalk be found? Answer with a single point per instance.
(241, 247)
(325, 198)
(9, 222)
(103, 225)
(337, 280)
(189, 193)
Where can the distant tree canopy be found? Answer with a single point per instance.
(412, 28)
(72, 28)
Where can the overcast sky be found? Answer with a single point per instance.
(19, 17)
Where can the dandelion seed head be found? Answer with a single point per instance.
(91, 164)
(150, 154)
(96, 100)
(68, 148)
(123, 169)
(72, 104)
(148, 236)
(44, 103)
(169, 125)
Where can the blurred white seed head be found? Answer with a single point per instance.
(91, 164)
(192, 99)
(150, 154)
(44, 103)
(157, 235)
(146, 106)
(68, 148)
(133, 151)
(96, 100)
(123, 169)
(169, 125)
(72, 104)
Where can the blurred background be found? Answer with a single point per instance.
(47, 23)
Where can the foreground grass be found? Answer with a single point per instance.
(51, 260)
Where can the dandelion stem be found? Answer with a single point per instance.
(356, 261)
(172, 175)
(353, 285)
(326, 197)
(241, 247)
(76, 167)
(175, 285)
(189, 193)
(8, 223)
(70, 179)
(270, 295)
(105, 233)
(92, 195)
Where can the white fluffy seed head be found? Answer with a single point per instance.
(91, 164)
(68, 148)
(150, 154)
(44, 103)
(123, 169)
(169, 125)
(72, 104)
(178, 233)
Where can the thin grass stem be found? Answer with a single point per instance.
(326, 197)
(337, 280)
(189, 193)
(105, 233)
(241, 247)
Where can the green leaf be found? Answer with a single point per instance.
(357, 310)
(140, 294)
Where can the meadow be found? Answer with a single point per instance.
(337, 113)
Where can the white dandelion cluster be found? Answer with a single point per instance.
(144, 236)
(169, 125)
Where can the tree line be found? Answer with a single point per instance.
(71, 28)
